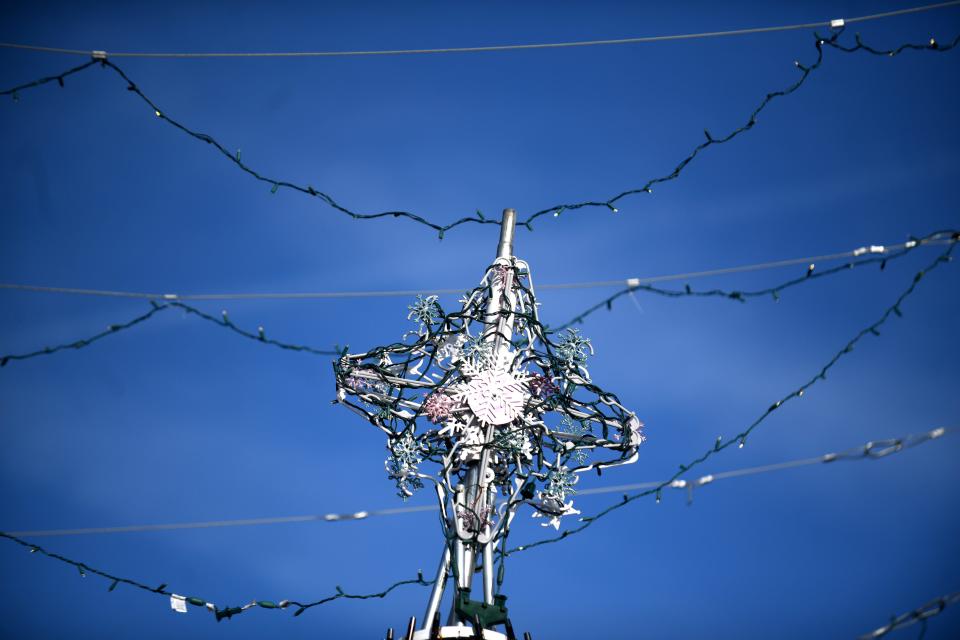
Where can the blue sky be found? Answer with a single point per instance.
(177, 420)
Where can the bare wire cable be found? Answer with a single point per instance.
(872, 249)
(873, 450)
(872, 255)
(489, 48)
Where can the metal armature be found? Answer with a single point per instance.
(506, 413)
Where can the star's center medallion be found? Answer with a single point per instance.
(496, 396)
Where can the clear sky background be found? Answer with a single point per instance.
(177, 420)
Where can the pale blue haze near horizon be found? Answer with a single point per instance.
(176, 420)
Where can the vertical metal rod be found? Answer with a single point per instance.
(488, 572)
(410, 626)
(390, 633)
(469, 556)
(477, 627)
(460, 550)
(469, 566)
(437, 594)
(475, 475)
(507, 226)
(465, 553)
(435, 627)
(458, 575)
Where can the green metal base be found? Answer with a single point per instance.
(488, 615)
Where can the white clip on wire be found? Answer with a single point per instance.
(178, 603)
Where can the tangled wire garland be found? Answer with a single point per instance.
(485, 387)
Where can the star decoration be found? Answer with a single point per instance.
(485, 389)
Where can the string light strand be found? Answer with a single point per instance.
(740, 439)
(920, 614)
(83, 342)
(878, 254)
(872, 450)
(59, 79)
(223, 321)
(805, 71)
(478, 218)
(179, 602)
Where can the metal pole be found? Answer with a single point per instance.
(437, 594)
(466, 551)
(507, 226)
(469, 553)
(458, 548)
(435, 627)
(488, 572)
(504, 250)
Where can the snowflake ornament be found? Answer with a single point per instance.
(425, 311)
(542, 386)
(477, 350)
(406, 453)
(437, 407)
(577, 428)
(573, 350)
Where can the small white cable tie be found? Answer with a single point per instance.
(633, 282)
(829, 457)
(360, 515)
(170, 296)
(678, 484)
(910, 244)
(707, 479)
(836, 23)
(332, 517)
(211, 607)
(98, 55)
(936, 433)
(877, 248)
(859, 252)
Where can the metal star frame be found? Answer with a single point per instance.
(503, 410)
